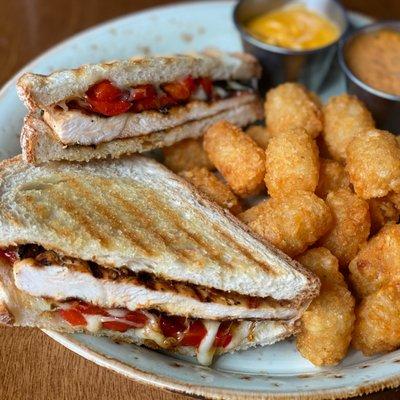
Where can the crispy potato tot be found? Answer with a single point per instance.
(383, 211)
(344, 118)
(291, 163)
(395, 199)
(251, 214)
(291, 223)
(260, 134)
(327, 324)
(378, 262)
(291, 106)
(237, 157)
(373, 164)
(212, 187)
(185, 155)
(351, 225)
(377, 327)
(332, 176)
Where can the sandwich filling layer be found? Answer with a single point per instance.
(146, 323)
(166, 331)
(46, 274)
(106, 112)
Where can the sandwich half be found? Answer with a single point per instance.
(129, 250)
(135, 105)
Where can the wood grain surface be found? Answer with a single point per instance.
(33, 366)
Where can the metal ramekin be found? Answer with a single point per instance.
(280, 64)
(385, 107)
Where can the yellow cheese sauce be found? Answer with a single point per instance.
(294, 27)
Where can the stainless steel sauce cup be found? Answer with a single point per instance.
(280, 64)
(385, 107)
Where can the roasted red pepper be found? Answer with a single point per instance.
(180, 90)
(194, 335)
(207, 85)
(106, 99)
(116, 326)
(73, 316)
(138, 318)
(224, 335)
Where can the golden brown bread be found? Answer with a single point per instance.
(135, 213)
(40, 91)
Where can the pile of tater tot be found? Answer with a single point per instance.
(326, 187)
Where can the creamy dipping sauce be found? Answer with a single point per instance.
(374, 58)
(294, 27)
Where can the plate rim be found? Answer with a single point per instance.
(138, 375)
(154, 379)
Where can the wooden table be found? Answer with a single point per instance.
(32, 366)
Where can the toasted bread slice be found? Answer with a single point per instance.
(135, 213)
(39, 91)
(39, 143)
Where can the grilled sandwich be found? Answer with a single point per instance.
(135, 105)
(129, 250)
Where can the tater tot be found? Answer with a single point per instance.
(377, 327)
(212, 187)
(237, 157)
(351, 225)
(327, 324)
(291, 106)
(332, 176)
(291, 223)
(344, 118)
(373, 164)
(383, 211)
(395, 199)
(185, 155)
(291, 163)
(378, 262)
(260, 134)
(254, 212)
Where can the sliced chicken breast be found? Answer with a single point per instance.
(114, 289)
(77, 127)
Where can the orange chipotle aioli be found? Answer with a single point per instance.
(374, 58)
(293, 27)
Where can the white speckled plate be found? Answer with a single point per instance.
(273, 372)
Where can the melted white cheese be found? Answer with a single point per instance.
(93, 323)
(206, 350)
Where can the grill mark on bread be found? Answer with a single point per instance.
(112, 218)
(244, 251)
(176, 221)
(147, 223)
(75, 211)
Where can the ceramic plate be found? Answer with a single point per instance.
(272, 372)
